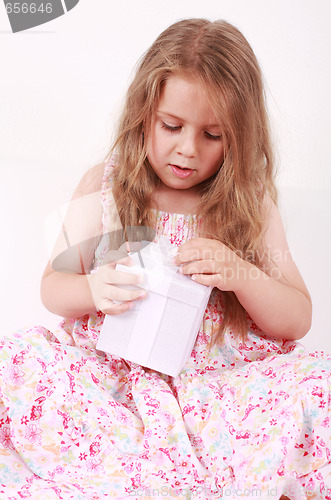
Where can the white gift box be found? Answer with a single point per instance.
(159, 332)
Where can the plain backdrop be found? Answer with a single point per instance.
(61, 89)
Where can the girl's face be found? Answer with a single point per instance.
(185, 145)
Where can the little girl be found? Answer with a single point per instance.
(249, 415)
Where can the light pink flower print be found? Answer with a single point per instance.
(59, 469)
(102, 412)
(136, 481)
(5, 438)
(326, 422)
(129, 468)
(33, 434)
(94, 448)
(123, 417)
(284, 440)
(15, 375)
(148, 434)
(24, 493)
(152, 402)
(94, 465)
(24, 420)
(18, 359)
(183, 466)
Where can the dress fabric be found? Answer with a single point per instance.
(243, 419)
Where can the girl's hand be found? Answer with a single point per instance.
(212, 263)
(105, 290)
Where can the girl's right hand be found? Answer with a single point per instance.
(105, 289)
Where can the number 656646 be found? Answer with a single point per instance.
(25, 8)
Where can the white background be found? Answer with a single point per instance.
(61, 89)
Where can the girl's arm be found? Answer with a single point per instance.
(76, 293)
(276, 297)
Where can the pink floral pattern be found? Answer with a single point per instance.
(248, 419)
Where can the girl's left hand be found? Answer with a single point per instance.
(212, 263)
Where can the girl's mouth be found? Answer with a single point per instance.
(180, 172)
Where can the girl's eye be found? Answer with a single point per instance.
(176, 128)
(213, 137)
(170, 128)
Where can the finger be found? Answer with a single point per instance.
(110, 307)
(197, 252)
(124, 294)
(114, 309)
(201, 267)
(126, 261)
(198, 243)
(194, 243)
(115, 277)
(113, 256)
(190, 255)
(184, 252)
(214, 280)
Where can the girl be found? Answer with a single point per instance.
(249, 415)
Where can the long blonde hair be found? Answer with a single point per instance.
(219, 57)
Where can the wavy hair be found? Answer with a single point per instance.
(219, 57)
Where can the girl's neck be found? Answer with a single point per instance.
(181, 201)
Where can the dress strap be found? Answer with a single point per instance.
(110, 217)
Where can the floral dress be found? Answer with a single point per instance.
(243, 419)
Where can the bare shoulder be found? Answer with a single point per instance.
(91, 181)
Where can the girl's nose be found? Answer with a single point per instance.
(187, 145)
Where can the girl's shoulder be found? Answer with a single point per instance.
(95, 180)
